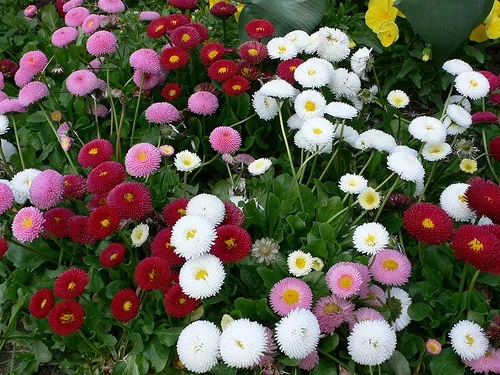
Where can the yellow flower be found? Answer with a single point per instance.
(379, 11)
(211, 3)
(468, 165)
(388, 33)
(426, 54)
(490, 28)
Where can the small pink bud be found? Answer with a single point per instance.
(166, 150)
(30, 11)
(66, 142)
(433, 347)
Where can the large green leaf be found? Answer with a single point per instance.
(286, 15)
(444, 24)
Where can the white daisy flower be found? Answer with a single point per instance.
(427, 129)
(482, 221)
(186, 161)
(207, 205)
(436, 151)
(408, 167)
(347, 133)
(398, 99)
(265, 250)
(198, 346)
(259, 166)
(361, 62)
(310, 104)
(243, 343)
(299, 263)
(454, 202)
(4, 124)
(333, 44)
(341, 110)
(352, 183)
(311, 74)
(369, 199)
(468, 340)
(317, 264)
(299, 37)
(265, 106)
(456, 66)
(8, 149)
(371, 342)
(202, 277)
(282, 48)
(193, 236)
(376, 139)
(452, 128)
(472, 85)
(317, 134)
(459, 115)
(405, 149)
(460, 100)
(419, 187)
(294, 122)
(403, 299)
(225, 320)
(139, 235)
(370, 238)
(298, 333)
(312, 43)
(21, 183)
(345, 84)
(278, 88)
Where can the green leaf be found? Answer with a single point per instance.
(126, 367)
(108, 340)
(397, 364)
(40, 351)
(324, 367)
(248, 308)
(50, 17)
(168, 336)
(446, 363)
(221, 369)
(419, 311)
(329, 343)
(157, 354)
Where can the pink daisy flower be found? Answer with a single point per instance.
(101, 43)
(95, 65)
(63, 36)
(3, 96)
(71, 4)
(489, 362)
(11, 106)
(111, 6)
(162, 113)
(23, 77)
(33, 92)
(433, 347)
(487, 117)
(244, 159)
(309, 362)
(142, 160)
(30, 11)
(145, 60)
(66, 142)
(365, 313)
(47, 189)
(149, 81)
(203, 103)
(33, 62)
(166, 150)
(344, 280)
(373, 296)
(332, 311)
(91, 23)
(148, 16)
(1, 81)
(81, 82)
(225, 140)
(6, 197)
(289, 294)
(101, 110)
(365, 274)
(76, 16)
(390, 267)
(27, 224)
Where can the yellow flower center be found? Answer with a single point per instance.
(182, 301)
(168, 245)
(187, 162)
(152, 274)
(300, 262)
(253, 52)
(428, 223)
(172, 92)
(44, 302)
(345, 282)
(93, 151)
(469, 339)
(212, 54)
(291, 296)
(127, 306)
(105, 223)
(310, 106)
(259, 29)
(190, 234)
(27, 223)
(476, 245)
(292, 68)
(90, 23)
(201, 274)
(185, 38)
(371, 240)
(473, 83)
(369, 199)
(311, 72)
(433, 347)
(236, 87)
(142, 156)
(67, 318)
(103, 173)
(398, 101)
(174, 59)
(230, 243)
(282, 49)
(317, 131)
(159, 28)
(462, 198)
(182, 211)
(222, 70)
(128, 197)
(240, 344)
(113, 256)
(331, 308)
(390, 265)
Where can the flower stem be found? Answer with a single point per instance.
(327, 166)
(337, 214)
(337, 361)
(367, 162)
(96, 117)
(242, 121)
(385, 181)
(461, 287)
(87, 341)
(433, 170)
(443, 115)
(185, 184)
(118, 135)
(21, 158)
(109, 94)
(30, 249)
(488, 157)
(386, 198)
(230, 174)
(137, 110)
(471, 288)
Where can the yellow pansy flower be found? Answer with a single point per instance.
(388, 33)
(490, 28)
(379, 11)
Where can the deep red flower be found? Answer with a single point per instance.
(232, 244)
(249, 71)
(132, 199)
(173, 280)
(56, 222)
(399, 200)
(179, 304)
(252, 51)
(185, 37)
(66, 317)
(233, 215)
(105, 177)
(223, 9)
(174, 58)
(125, 305)
(173, 21)
(494, 147)
(494, 98)
(103, 221)
(41, 303)
(95, 152)
(71, 283)
(493, 229)
(59, 4)
(258, 29)
(183, 4)
(97, 200)
(222, 70)
(8, 67)
(152, 273)
(77, 230)
(4, 246)
(75, 185)
(157, 28)
(161, 247)
(236, 85)
(112, 255)
(286, 69)
(174, 210)
(483, 197)
(487, 117)
(492, 79)
(428, 223)
(171, 91)
(476, 245)
(211, 52)
(202, 30)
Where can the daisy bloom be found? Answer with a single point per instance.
(468, 166)
(161, 247)
(222, 70)
(390, 267)
(75, 16)
(361, 62)
(111, 6)
(174, 58)
(483, 197)
(370, 238)
(286, 69)
(101, 43)
(399, 316)
(161, 113)
(407, 166)
(103, 221)
(139, 235)
(30, 11)
(298, 333)
(333, 44)
(278, 88)
(4, 246)
(142, 160)
(428, 223)
(433, 347)
(266, 107)
(132, 199)
(152, 273)
(6, 197)
(224, 139)
(489, 362)
(459, 115)
(456, 66)
(236, 85)
(81, 82)
(310, 104)
(282, 48)
(288, 294)
(371, 342)
(112, 255)
(265, 250)
(125, 305)
(231, 244)
(454, 202)
(41, 303)
(185, 37)
(299, 263)
(198, 346)
(472, 85)
(223, 9)
(233, 214)
(369, 199)
(427, 129)
(317, 264)
(252, 51)
(77, 230)
(91, 23)
(95, 152)
(436, 151)
(398, 99)
(468, 340)
(344, 83)
(27, 224)
(193, 235)
(4, 124)
(186, 161)
(373, 296)
(105, 177)
(71, 283)
(174, 210)
(171, 91)
(66, 317)
(332, 311)
(179, 304)
(203, 103)
(63, 36)
(211, 52)
(352, 183)
(363, 314)
(32, 93)
(202, 277)
(341, 110)
(157, 28)
(343, 280)
(313, 73)
(207, 205)
(259, 28)
(259, 166)
(484, 117)
(148, 15)
(145, 60)
(494, 148)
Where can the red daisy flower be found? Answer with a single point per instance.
(211, 52)
(183, 4)
(428, 223)
(74, 185)
(232, 244)
(249, 71)
(252, 51)
(95, 152)
(179, 304)
(105, 177)
(125, 305)
(484, 117)
(171, 91)
(152, 273)
(483, 197)
(132, 199)
(41, 303)
(222, 70)
(202, 30)
(66, 317)
(234, 215)
(174, 58)
(71, 283)
(8, 67)
(77, 230)
(492, 79)
(173, 280)
(97, 200)
(494, 98)
(161, 247)
(157, 28)
(236, 85)
(223, 10)
(258, 29)
(185, 37)
(476, 245)
(174, 210)
(493, 229)
(112, 255)
(56, 222)
(59, 4)
(4, 246)
(399, 200)
(494, 147)
(103, 221)
(286, 69)
(174, 21)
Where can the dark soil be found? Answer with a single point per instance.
(494, 63)
(5, 363)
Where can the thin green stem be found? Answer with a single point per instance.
(386, 198)
(230, 174)
(488, 156)
(429, 179)
(337, 361)
(30, 249)
(367, 163)
(21, 158)
(443, 115)
(242, 121)
(119, 134)
(385, 181)
(92, 346)
(96, 117)
(461, 287)
(109, 94)
(471, 288)
(312, 169)
(337, 214)
(327, 166)
(371, 370)
(397, 134)
(382, 99)
(137, 110)
(185, 185)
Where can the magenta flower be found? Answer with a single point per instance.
(95, 65)
(203, 103)
(91, 23)
(146, 60)
(391, 267)
(71, 4)
(148, 16)
(76, 16)
(166, 150)
(162, 113)
(289, 294)
(433, 347)
(47, 189)
(33, 92)
(149, 80)
(142, 160)
(63, 36)
(101, 43)
(365, 313)
(488, 117)
(11, 106)
(332, 311)
(81, 82)
(6, 197)
(111, 6)
(225, 140)
(27, 224)
(33, 62)
(30, 11)
(344, 280)
(23, 77)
